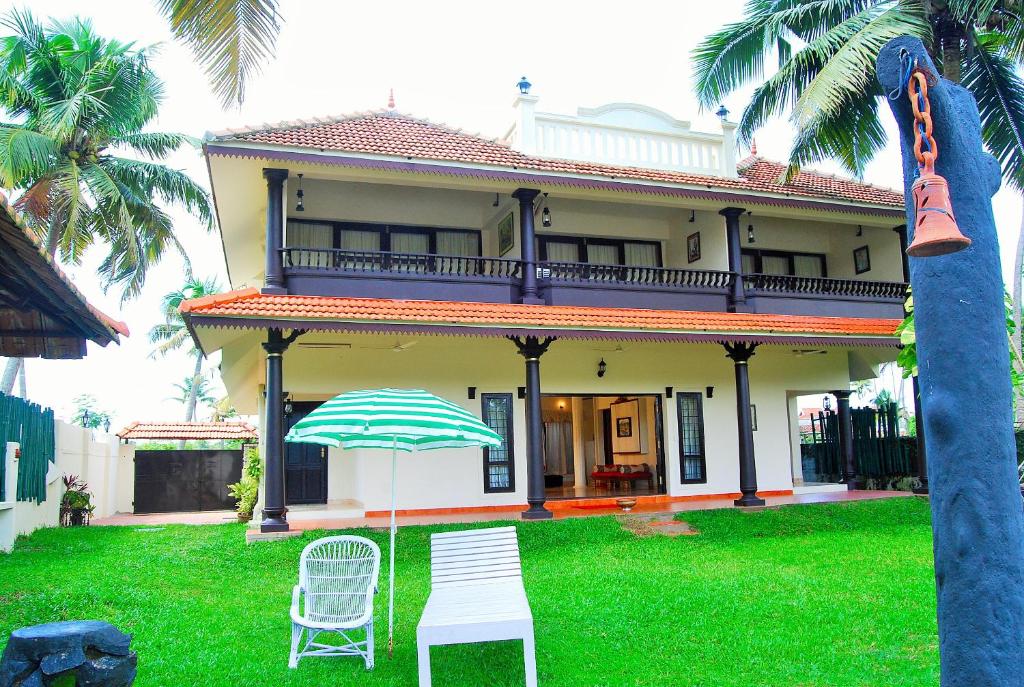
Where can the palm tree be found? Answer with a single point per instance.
(172, 335)
(826, 51)
(194, 391)
(73, 99)
(229, 38)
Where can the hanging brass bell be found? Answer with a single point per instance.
(935, 229)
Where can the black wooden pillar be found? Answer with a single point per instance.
(532, 349)
(528, 243)
(273, 281)
(732, 235)
(740, 353)
(922, 453)
(846, 452)
(274, 518)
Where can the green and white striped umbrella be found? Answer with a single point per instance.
(399, 419)
(403, 419)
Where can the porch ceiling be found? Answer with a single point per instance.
(208, 317)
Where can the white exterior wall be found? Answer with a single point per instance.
(100, 460)
(448, 365)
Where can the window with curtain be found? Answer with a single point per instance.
(462, 243)
(785, 263)
(499, 464)
(602, 254)
(641, 254)
(562, 251)
(690, 414)
(314, 236)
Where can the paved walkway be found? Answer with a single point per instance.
(219, 517)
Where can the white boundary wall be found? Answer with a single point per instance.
(106, 465)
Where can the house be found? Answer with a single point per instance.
(630, 307)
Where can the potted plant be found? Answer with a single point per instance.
(76, 504)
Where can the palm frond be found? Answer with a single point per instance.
(154, 145)
(231, 39)
(999, 91)
(847, 56)
(852, 137)
(24, 154)
(170, 185)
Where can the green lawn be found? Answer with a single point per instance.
(804, 595)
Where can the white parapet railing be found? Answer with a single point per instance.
(623, 134)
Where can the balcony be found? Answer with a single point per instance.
(372, 274)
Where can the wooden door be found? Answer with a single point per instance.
(305, 465)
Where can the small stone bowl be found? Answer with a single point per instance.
(626, 504)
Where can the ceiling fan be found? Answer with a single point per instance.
(322, 345)
(397, 348)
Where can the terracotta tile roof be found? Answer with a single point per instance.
(189, 430)
(397, 135)
(313, 310)
(52, 319)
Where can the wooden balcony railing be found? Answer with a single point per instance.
(778, 283)
(335, 260)
(634, 275)
(330, 260)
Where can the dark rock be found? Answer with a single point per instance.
(87, 652)
(108, 671)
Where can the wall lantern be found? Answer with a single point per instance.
(860, 230)
(471, 392)
(524, 85)
(497, 200)
(288, 408)
(602, 367)
(722, 113)
(693, 216)
(545, 215)
(750, 230)
(710, 391)
(300, 206)
(826, 403)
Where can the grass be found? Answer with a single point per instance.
(804, 595)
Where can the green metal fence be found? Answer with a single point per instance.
(32, 427)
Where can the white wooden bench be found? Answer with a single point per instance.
(476, 595)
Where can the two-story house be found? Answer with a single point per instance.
(630, 307)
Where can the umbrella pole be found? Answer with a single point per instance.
(391, 566)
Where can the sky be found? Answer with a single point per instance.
(450, 62)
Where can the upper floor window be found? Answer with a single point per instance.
(391, 238)
(599, 251)
(757, 261)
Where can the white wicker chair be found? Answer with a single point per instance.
(337, 581)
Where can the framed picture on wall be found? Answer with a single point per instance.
(693, 247)
(861, 260)
(627, 427)
(506, 235)
(624, 428)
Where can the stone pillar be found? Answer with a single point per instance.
(273, 281)
(960, 321)
(846, 452)
(922, 453)
(525, 106)
(732, 234)
(741, 353)
(728, 161)
(528, 244)
(274, 509)
(531, 349)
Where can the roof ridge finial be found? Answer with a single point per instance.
(753, 147)
(391, 99)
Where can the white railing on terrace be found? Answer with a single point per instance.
(623, 134)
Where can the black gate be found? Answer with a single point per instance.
(305, 465)
(187, 480)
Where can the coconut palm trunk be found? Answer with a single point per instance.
(190, 405)
(11, 369)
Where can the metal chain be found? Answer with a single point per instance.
(925, 149)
